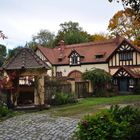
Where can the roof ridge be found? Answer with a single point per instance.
(90, 43)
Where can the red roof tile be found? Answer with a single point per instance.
(88, 50)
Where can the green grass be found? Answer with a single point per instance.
(90, 105)
(10, 115)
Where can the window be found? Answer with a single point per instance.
(115, 82)
(99, 56)
(131, 82)
(74, 59)
(126, 56)
(59, 74)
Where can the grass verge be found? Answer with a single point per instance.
(91, 105)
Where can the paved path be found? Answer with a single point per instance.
(37, 127)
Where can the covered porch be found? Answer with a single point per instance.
(25, 74)
(126, 79)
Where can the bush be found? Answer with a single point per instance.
(114, 124)
(63, 98)
(100, 79)
(108, 92)
(4, 111)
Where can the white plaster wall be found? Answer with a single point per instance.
(67, 69)
(40, 55)
(113, 71)
(49, 72)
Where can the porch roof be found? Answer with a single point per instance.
(25, 58)
(129, 70)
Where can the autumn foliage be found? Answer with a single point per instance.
(125, 24)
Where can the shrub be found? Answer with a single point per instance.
(63, 98)
(4, 111)
(100, 79)
(114, 124)
(108, 92)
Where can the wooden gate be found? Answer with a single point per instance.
(82, 89)
(51, 90)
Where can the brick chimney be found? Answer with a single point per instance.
(61, 48)
(62, 45)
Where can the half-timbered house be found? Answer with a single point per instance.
(117, 56)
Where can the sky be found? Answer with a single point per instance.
(21, 19)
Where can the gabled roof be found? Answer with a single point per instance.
(25, 59)
(74, 51)
(128, 71)
(88, 50)
(124, 41)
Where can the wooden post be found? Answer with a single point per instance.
(39, 90)
(73, 86)
(90, 87)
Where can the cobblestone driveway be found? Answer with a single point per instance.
(37, 127)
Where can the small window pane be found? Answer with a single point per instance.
(115, 81)
(74, 59)
(126, 56)
(131, 82)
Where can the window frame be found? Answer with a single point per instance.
(126, 56)
(74, 59)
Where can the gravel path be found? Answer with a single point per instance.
(35, 126)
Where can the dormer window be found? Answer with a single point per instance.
(99, 56)
(74, 59)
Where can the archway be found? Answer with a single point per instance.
(75, 75)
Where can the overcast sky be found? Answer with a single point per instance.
(20, 19)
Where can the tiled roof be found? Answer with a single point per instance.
(88, 50)
(130, 70)
(133, 72)
(25, 59)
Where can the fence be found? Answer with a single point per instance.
(50, 90)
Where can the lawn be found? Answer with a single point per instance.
(91, 105)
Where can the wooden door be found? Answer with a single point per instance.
(82, 89)
(123, 85)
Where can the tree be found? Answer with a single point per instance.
(137, 41)
(125, 24)
(100, 78)
(2, 54)
(71, 33)
(133, 4)
(2, 35)
(12, 52)
(99, 37)
(31, 45)
(44, 38)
